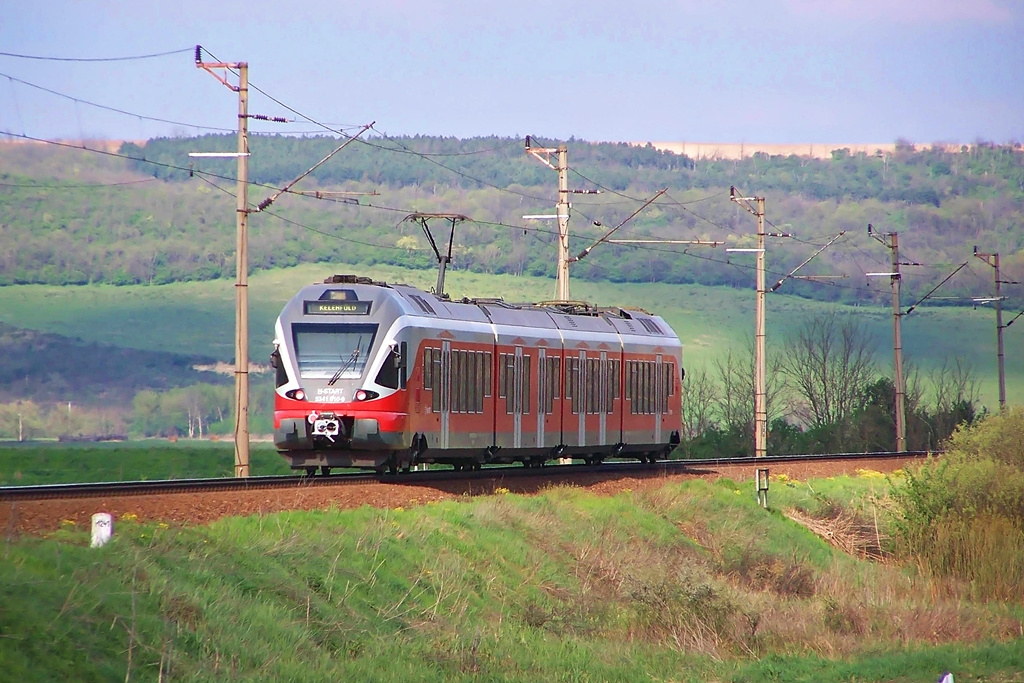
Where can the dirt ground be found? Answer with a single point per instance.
(43, 516)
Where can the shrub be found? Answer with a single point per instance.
(962, 517)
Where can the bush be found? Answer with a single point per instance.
(962, 517)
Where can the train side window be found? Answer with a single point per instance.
(549, 385)
(643, 389)
(471, 381)
(467, 382)
(639, 387)
(651, 388)
(609, 386)
(592, 381)
(474, 383)
(616, 382)
(556, 376)
(453, 382)
(648, 387)
(631, 385)
(389, 371)
(502, 372)
(568, 382)
(428, 369)
(668, 385)
(280, 372)
(526, 384)
(478, 387)
(459, 382)
(572, 383)
(487, 375)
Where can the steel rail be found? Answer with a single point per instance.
(611, 468)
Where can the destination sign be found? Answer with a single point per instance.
(337, 307)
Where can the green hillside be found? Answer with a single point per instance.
(197, 318)
(74, 217)
(116, 270)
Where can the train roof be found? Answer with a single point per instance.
(561, 314)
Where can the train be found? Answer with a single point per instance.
(388, 377)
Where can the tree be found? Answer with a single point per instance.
(699, 397)
(829, 361)
(956, 396)
(21, 421)
(735, 403)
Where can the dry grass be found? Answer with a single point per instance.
(846, 531)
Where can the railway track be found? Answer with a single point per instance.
(35, 509)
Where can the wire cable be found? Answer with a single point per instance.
(95, 59)
(78, 187)
(114, 109)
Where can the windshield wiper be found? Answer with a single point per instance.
(347, 364)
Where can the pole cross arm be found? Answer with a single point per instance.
(944, 281)
(792, 273)
(272, 198)
(608, 234)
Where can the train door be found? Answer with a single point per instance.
(445, 393)
(515, 430)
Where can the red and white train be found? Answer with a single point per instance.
(383, 376)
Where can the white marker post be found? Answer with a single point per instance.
(102, 529)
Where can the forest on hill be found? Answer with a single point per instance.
(150, 214)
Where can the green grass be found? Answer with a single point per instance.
(690, 582)
(198, 317)
(36, 463)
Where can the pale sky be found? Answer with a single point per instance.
(768, 71)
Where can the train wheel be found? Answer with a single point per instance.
(325, 470)
(310, 471)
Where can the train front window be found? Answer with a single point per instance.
(332, 352)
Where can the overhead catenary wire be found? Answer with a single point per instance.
(944, 281)
(49, 58)
(402, 210)
(113, 109)
(425, 155)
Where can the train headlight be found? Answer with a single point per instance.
(297, 394)
(366, 395)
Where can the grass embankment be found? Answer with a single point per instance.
(33, 463)
(689, 582)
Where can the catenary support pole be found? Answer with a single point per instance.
(892, 241)
(897, 348)
(242, 284)
(562, 209)
(760, 375)
(993, 260)
(241, 257)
